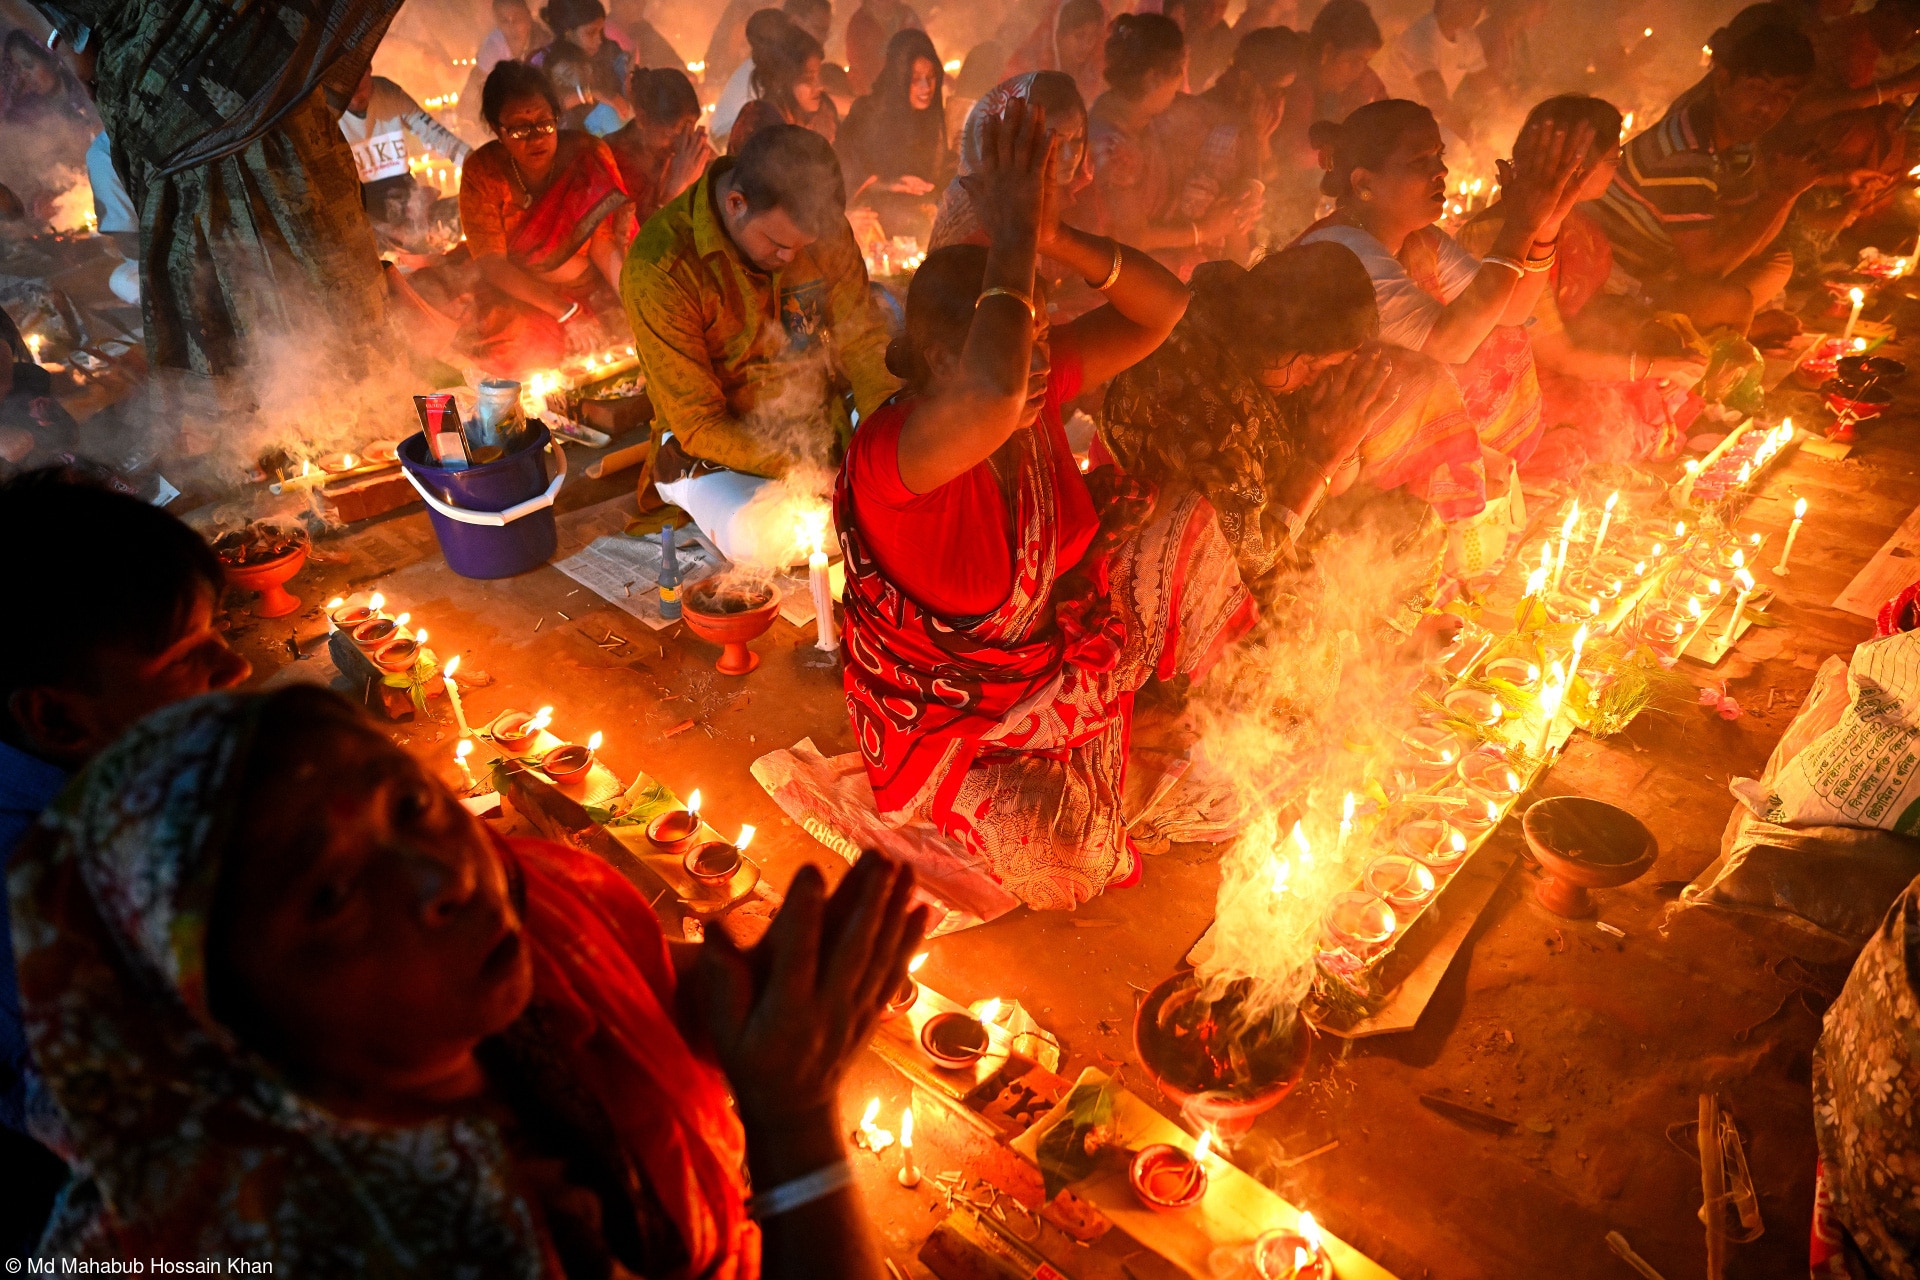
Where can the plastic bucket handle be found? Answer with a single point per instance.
(497, 519)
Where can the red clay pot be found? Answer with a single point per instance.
(266, 577)
(1228, 1112)
(1585, 844)
(730, 631)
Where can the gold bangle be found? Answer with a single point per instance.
(1002, 291)
(1113, 275)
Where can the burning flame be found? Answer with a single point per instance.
(1203, 1146)
(336, 602)
(1459, 843)
(693, 802)
(918, 963)
(420, 637)
(453, 663)
(951, 66)
(744, 839)
(810, 528)
(1859, 344)
(1310, 1232)
(1300, 838)
(1858, 295)
(871, 1114)
(402, 621)
(593, 742)
(1739, 558)
(1743, 580)
(541, 719)
(1573, 515)
(1713, 586)
(1613, 500)
(1626, 126)
(1693, 606)
(1800, 509)
(1513, 782)
(1493, 815)
(376, 602)
(989, 1012)
(1282, 872)
(696, 68)
(34, 343)
(906, 1129)
(463, 748)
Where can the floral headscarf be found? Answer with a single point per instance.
(195, 1147)
(957, 223)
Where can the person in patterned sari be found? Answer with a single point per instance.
(223, 120)
(295, 1005)
(1389, 176)
(1002, 607)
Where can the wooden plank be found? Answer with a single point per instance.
(1893, 567)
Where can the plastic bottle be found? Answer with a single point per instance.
(669, 575)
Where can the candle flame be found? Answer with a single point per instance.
(1566, 529)
(1346, 808)
(693, 802)
(1513, 782)
(1739, 558)
(1859, 344)
(918, 963)
(1300, 838)
(346, 460)
(593, 742)
(1459, 842)
(1743, 580)
(376, 602)
(871, 1114)
(336, 602)
(1493, 812)
(463, 748)
(1203, 1146)
(989, 1012)
(906, 1129)
(1536, 582)
(1282, 871)
(541, 719)
(1858, 295)
(1693, 606)
(453, 665)
(1679, 530)
(1800, 509)
(1310, 1232)
(1494, 708)
(1613, 499)
(745, 837)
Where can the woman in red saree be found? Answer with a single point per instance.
(346, 1029)
(1614, 384)
(1001, 607)
(1390, 179)
(547, 222)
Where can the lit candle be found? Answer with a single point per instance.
(453, 695)
(461, 751)
(1346, 825)
(1566, 533)
(1551, 695)
(1744, 581)
(1859, 297)
(826, 635)
(909, 1171)
(1606, 518)
(1793, 531)
(34, 343)
(1579, 643)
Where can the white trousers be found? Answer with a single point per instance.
(749, 518)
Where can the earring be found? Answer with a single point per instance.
(1366, 195)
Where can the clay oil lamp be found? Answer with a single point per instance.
(1471, 811)
(400, 653)
(1293, 1255)
(569, 763)
(383, 453)
(1431, 752)
(1359, 922)
(1475, 706)
(377, 631)
(907, 994)
(516, 732)
(1439, 844)
(1717, 556)
(674, 830)
(345, 617)
(958, 1040)
(1399, 881)
(1667, 625)
(1518, 672)
(335, 464)
(1167, 1179)
(1565, 609)
(714, 864)
(1595, 584)
(1490, 774)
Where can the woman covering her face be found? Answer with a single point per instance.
(295, 1004)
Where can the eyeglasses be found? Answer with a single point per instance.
(522, 132)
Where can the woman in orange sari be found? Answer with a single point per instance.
(1615, 385)
(1390, 179)
(547, 222)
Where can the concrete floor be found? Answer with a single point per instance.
(1595, 1045)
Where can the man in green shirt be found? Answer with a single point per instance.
(751, 310)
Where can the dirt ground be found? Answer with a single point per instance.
(1595, 1046)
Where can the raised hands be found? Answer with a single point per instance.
(1344, 404)
(786, 1018)
(1013, 191)
(690, 159)
(1540, 185)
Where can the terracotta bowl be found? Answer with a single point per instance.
(1167, 1179)
(713, 864)
(266, 577)
(1228, 1112)
(729, 630)
(568, 763)
(1858, 404)
(1861, 369)
(1585, 844)
(954, 1040)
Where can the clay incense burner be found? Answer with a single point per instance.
(729, 617)
(954, 1040)
(268, 578)
(1223, 1067)
(1585, 844)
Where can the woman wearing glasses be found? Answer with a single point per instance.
(547, 222)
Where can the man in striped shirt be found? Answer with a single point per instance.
(1696, 213)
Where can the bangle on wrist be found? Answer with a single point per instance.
(568, 314)
(1114, 274)
(1002, 291)
(1514, 265)
(799, 1192)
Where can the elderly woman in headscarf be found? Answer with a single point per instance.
(295, 1005)
(957, 222)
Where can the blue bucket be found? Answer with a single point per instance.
(496, 519)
